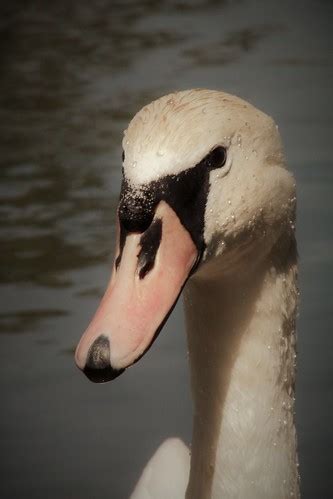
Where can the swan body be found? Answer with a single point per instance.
(166, 474)
(206, 184)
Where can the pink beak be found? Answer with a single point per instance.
(143, 290)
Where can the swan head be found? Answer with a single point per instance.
(204, 187)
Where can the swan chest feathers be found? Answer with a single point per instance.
(207, 207)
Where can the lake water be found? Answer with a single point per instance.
(72, 75)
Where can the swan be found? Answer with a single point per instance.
(207, 207)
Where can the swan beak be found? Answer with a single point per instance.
(148, 276)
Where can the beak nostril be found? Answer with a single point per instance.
(149, 242)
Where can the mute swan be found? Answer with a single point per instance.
(207, 201)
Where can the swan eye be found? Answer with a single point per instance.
(123, 156)
(216, 158)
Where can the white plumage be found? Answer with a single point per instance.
(240, 305)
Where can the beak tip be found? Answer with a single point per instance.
(97, 366)
(102, 375)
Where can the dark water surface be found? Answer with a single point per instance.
(72, 75)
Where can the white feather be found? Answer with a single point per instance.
(241, 304)
(166, 474)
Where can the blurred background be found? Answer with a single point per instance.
(72, 75)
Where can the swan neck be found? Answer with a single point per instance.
(241, 338)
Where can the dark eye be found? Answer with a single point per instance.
(216, 158)
(123, 156)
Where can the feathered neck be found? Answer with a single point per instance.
(241, 336)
